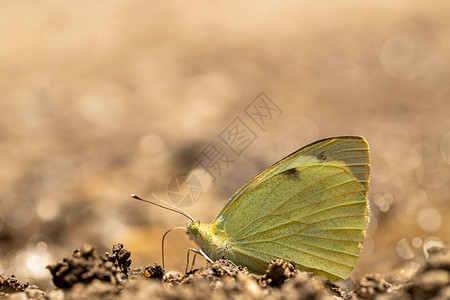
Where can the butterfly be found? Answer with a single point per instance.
(309, 208)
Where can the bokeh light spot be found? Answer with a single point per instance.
(17, 211)
(404, 249)
(41, 246)
(429, 219)
(47, 209)
(152, 144)
(417, 242)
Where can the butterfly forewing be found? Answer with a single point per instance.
(309, 208)
(353, 151)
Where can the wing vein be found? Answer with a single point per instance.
(283, 202)
(315, 255)
(351, 150)
(302, 264)
(313, 245)
(334, 218)
(329, 198)
(328, 238)
(332, 207)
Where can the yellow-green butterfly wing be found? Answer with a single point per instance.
(309, 208)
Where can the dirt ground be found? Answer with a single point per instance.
(101, 100)
(88, 275)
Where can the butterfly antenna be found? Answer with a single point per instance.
(177, 210)
(162, 244)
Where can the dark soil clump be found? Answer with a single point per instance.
(371, 285)
(85, 265)
(277, 273)
(120, 257)
(155, 271)
(432, 281)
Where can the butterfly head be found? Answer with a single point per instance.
(198, 231)
(193, 229)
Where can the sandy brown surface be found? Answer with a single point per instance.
(100, 100)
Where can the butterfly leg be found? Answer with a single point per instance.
(187, 259)
(193, 262)
(199, 251)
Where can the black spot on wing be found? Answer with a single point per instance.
(321, 157)
(291, 173)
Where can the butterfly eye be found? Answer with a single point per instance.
(194, 229)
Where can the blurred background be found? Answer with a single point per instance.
(99, 100)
